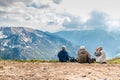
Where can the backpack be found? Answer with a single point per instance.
(72, 59)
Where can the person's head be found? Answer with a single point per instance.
(100, 48)
(97, 49)
(82, 47)
(63, 47)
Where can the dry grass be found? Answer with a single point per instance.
(114, 61)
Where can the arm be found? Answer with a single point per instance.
(78, 53)
(88, 55)
(58, 54)
(67, 55)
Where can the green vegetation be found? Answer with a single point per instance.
(50, 61)
(111, 61)
(36, 60)
(114, 61)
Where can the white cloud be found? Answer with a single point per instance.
(8, 3)
(57, 1)
(114, 25)
(97, 20)
(46, 15)
(18, 13)
(41, 4)
(71, 21)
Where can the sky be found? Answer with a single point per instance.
(57, 15)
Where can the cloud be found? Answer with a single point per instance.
(41, 4)
(6, 3)
(39, 14)
(100, 20)
(114, 25)
(42, 14)
(2, 13)
(71, 21)
(97, 20)
(57, 1)
(64, 19)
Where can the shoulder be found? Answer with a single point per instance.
(103, 52)
(86, 51)
(79, 51)
(60, 52)
(65, 51)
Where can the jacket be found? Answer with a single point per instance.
(101, 58)
(63, 56)
(83, 56)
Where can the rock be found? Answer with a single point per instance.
(1, 67)
(109, 69)
(84, 76)
(89, 72)
(44, 68)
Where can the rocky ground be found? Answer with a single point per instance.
(58, 71)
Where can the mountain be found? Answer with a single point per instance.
(110, 41)
(25, 43)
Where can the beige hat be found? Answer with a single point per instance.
(63, 46)
(82, 47)
(100, 47)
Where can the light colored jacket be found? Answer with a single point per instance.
(101, 58)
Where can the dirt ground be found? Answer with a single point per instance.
(58, 71)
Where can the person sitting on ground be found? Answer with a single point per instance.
(63, 55)
(100, 55)
(83, 55)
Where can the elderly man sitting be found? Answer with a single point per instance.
(63, 55)
(83, 55)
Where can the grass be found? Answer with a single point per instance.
(42, 61)
(111, 61)
(50, 61)
(114, 61)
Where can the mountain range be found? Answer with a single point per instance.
(92, 39)
(25, 43)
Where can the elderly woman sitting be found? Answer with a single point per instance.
(100, 55)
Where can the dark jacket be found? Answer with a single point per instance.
(83, 56)
(63, 56)
(97, 54)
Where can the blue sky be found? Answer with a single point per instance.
(56, 15)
